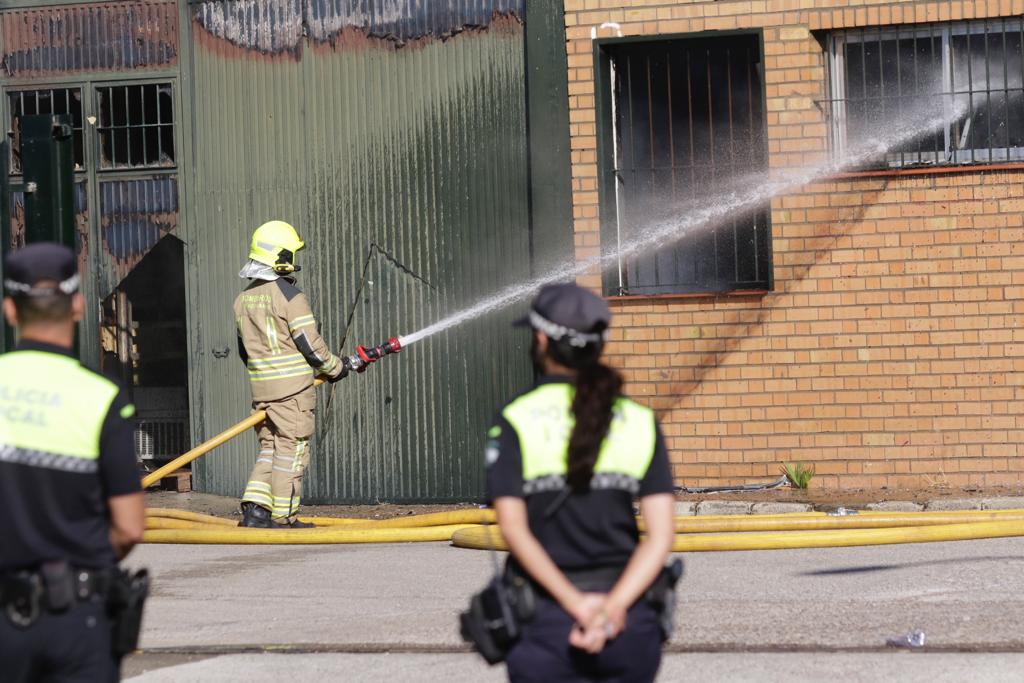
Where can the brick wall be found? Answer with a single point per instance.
(891, 351)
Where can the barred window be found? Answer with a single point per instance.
(136, 126)
(684, 118)
(880, 75)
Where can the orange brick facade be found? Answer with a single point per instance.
(891, 351)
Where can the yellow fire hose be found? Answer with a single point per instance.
(208, 445)
(705, 522)
(322, 535)
(171, 513)
(463, 528)
(699, 524)
(695, 525)
(484, 537)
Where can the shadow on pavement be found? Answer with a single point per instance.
(908, 565)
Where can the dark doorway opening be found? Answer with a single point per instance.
(144, 341)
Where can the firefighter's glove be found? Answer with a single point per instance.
(340, 376)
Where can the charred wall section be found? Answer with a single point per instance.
(278, 26)
(100, 37)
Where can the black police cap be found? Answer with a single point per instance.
(35, 263)
(569, 310)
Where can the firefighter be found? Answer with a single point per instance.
(280, 345)
(564, 463)
(69, 486)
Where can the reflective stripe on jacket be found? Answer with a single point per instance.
(279, 341)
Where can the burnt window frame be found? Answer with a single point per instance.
(950, 89)
(612, 278)
(79, 143)
(96, 88)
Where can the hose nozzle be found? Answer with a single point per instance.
(366, 355)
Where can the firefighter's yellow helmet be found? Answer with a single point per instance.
(274, 244)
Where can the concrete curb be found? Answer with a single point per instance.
(1006, 503)
(685, 508)
(895, 506)
(724, 507)
(952, 505)
(779, 508)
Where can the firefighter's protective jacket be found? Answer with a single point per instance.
(279, 342)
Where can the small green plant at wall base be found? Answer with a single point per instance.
(799, 475)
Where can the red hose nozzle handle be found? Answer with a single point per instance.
(375, 353)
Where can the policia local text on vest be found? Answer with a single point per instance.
(69, 489)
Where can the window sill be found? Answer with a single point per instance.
(932, 170)
(701, 296)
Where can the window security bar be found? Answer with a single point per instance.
(880, 74)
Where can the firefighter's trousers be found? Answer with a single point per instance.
(276, 479)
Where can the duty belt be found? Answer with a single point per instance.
(591, 579)
(594, 578)
(54, 586)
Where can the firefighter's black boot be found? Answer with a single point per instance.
(255, 516)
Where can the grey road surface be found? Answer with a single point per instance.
(388, 612)
(737, 667)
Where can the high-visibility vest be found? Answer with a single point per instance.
(543, 420)
(52, 411)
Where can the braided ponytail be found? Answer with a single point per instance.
(597, 388)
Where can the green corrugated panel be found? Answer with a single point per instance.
(6, 335)
(405, 169)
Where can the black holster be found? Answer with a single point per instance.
(662, 595)
(126, 595)
(26, 594)
(496, 615)
(21, 594)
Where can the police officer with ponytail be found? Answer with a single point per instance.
(565, 462)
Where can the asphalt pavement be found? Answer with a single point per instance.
(388, 612)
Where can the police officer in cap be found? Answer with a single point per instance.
(69, 486)
(564, 463)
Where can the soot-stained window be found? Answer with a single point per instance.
(46, 101)
(971, 73)
(687, 122)
(136, 126)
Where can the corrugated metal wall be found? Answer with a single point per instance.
(396, 141)
(109, 36)
(65, 50)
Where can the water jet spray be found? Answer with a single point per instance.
(741, 194)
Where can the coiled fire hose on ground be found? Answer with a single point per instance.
(466, 529)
